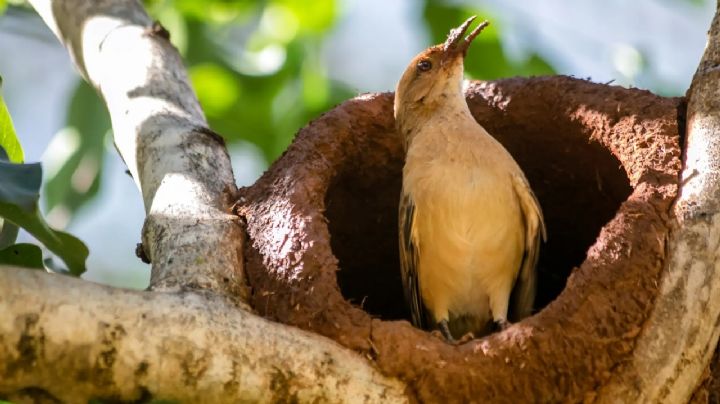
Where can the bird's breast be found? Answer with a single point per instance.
(470, 205)
(468, 223)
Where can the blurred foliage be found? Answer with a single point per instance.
(697, 3)
(80, 149)
(258, 72)
(256, 66)
(19, 196)
(16, 3)
(486, 59)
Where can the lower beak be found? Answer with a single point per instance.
(456, 45)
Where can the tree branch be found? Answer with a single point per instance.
(180, 166)
(130, 345)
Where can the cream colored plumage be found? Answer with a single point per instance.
(470, 225)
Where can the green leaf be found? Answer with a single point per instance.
(8, 137)
(8, 234)
(71, 250)
(22, 255)
(74, 168)
(3, 6)
(19, 184)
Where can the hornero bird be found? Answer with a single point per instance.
(470, 226)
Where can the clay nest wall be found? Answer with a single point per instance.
(604, 163)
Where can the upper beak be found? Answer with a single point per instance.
(456, 44)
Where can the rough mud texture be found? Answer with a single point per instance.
(604, 163)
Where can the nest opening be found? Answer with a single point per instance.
(322, 231)
(579, 183)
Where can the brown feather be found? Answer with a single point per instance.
(409, 261)
(523, 294)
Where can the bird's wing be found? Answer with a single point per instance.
(409, 260)
(523, 294)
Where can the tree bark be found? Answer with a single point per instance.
(179, 165)
(75, 341)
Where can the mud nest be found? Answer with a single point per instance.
(604, 163)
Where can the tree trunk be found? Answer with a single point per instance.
(628, 303)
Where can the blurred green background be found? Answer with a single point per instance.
(263, 69)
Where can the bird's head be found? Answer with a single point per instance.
(435, 75)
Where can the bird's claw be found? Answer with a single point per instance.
(451, 340)
(437, 334)
(466, 338)
(445, 331)
(502, 324)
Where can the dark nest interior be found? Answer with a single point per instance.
(578, 182)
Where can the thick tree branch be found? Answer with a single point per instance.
(129, 345)
(681, 334)
(179, 165)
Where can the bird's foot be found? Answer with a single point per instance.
(445, 331)
(466, 338)
(502, 324)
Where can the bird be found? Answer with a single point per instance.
(470, 226)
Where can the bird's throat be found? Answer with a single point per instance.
(438, 116)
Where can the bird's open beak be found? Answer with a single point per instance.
(456, 44)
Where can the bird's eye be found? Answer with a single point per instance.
(424, 65)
